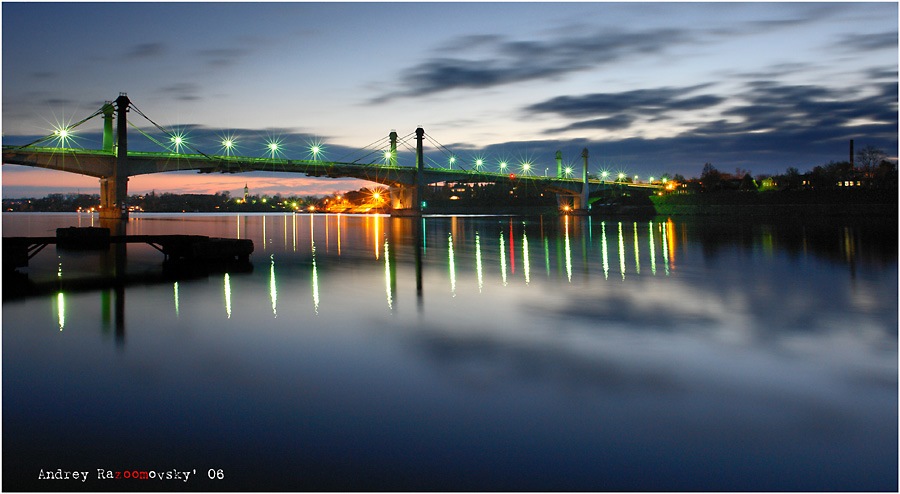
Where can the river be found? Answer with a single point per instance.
(460, 353)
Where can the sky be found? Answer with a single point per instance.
(647, 88)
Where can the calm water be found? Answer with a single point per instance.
(489, 353)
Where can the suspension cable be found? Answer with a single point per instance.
(148, 136)
(70, 127)
(446, 151)
(168, 133)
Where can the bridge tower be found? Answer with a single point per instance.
(407, 200)
(393, 137)
(108, 111)
(114, 187)
(559, 169)
(419, 194)
(401, 195)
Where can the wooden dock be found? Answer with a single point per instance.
(17, 251)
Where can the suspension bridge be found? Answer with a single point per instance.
(114, 163)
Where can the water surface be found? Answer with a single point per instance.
(461, 353)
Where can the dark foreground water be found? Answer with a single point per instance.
(489, 353)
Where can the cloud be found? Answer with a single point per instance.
(775, 71)
(222, 57)
(809, 112)
(183, 91)
(646, 102)
(806, 125)
(620, 110)
(59, 102)
(889, 73)
(608, 123)
(507, 61)
(146, 50)
(794, 16)
(868, 42)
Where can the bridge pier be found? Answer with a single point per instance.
(583, 206)
(403, 200)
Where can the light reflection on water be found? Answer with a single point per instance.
(386, 353)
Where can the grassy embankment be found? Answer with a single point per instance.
(881, 202)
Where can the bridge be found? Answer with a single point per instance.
(114, 163)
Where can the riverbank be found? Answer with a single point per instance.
(860, 202)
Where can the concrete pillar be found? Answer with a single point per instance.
(403, 200)
(105, 197)
(117, 185)
(586, 187)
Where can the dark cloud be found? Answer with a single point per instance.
(222, 57)
(767, 125)
(882, 73)
(796, 15)
(146, 50)
(654, 103)
(775, 71)
(504, 61)
(183, 91)
(867, 42)
(59, 102)
(44, 75)
(607, 123)
(808, 112)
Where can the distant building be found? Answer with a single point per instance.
(246, 193)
